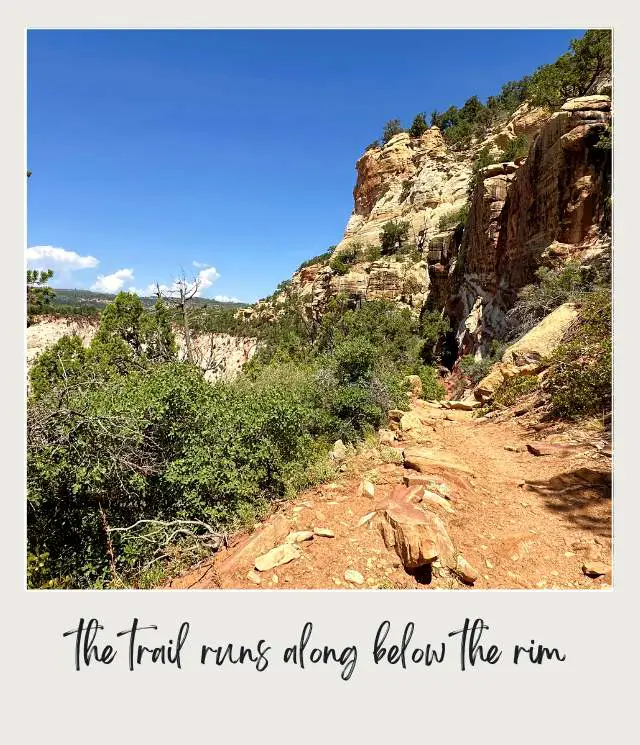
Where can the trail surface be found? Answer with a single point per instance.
(515, 534)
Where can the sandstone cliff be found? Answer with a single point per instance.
(221, 356)
(547, 207)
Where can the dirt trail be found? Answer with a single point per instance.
(515, 535)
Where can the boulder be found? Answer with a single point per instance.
(417, 536)
(529, 355)
(277, 556)
(467, 573)
(324, 532)
(415, 384)
(254, 577)
(409, 421)
(431, 498)
(467, 404)
(595, 568)
(339, 451)
(550, 448)
(386, 437)
(259, 542)
(395, 415)
(587, 103)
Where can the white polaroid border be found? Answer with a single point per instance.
(586, 698)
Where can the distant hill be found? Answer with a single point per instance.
(90, 299)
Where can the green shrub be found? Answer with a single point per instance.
(516, 148)
(514, 388)
(569, 283)
(455, 218)
(474, 369)
(322, 259)
(579, 377)
(392, 128)
(372, 252)
(419, 125)
(393, 236)
(574, 73)
(432, 388)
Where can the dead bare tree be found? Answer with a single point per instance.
(182, 292)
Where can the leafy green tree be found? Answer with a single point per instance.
(39, 294)
(394, 235)
(574, 73)
(392, 128)
(419, 125)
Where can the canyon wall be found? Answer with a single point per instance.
(221, 356)
(545, 208)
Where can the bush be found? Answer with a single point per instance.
(569, 283)
(320, 259)
(134, 458)
(516, 148)
(392, 128)
(419, 125)
(513, 389)
(393, 235)
(372, 253)
(455, 218)
(474, 369)
(579, 377)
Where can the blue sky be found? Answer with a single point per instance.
(227, 153)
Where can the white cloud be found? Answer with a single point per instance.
(199, 265)
(207, 277)
(59, 259)
(225, 299)
(112, 282)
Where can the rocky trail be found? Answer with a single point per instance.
(445, 501)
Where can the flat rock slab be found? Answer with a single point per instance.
(262, 540)
(277, 556)
(549, 448)
(324, 532)
(422, 459)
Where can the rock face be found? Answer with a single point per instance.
(530, 353)
(544, 209)
(221, 356)
(519, 219)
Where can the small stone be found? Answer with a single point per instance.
(324, 532)
(514, 557)
(554, 573)
(465, 571)
(489, 564)
(515, 448)
(541, 584)
(365, 519)
(299, 536)
(274, 579)
(569, 553)
(595, 568)
(366, 488)
(352, 576)
(254, 577)
(336, 581)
